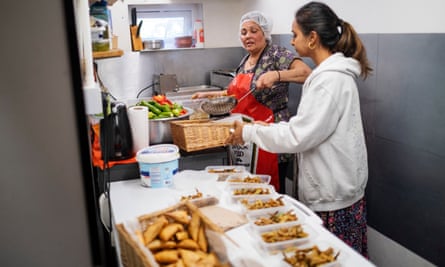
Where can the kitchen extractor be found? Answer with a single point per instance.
(165, 83)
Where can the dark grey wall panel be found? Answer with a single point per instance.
(411, 91)
(403, 109)
(405, 197)
(367, 87)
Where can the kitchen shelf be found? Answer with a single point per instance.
(170, 49)
(108, 54)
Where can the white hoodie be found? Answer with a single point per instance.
(327, 134)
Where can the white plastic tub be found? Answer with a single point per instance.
(158, 164)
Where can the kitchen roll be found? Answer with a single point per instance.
(138, 117)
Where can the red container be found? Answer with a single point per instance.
(183, 42)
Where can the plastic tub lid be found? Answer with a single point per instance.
(158, 153)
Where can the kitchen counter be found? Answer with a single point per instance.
(129, 199)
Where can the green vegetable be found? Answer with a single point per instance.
(154, 109)
(165, 114)
(166, 108)
(142, 103)
(156, 104)
(151, 115)
(176, 111)
(177, 106)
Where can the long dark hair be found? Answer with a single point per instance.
(335, 34)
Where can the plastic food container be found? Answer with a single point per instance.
(262, 204)
(224, 172)
(322, 245)
(251, 191)
(254, 217)
(158, 164)
(279, 246)
(247, 178)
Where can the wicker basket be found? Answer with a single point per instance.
(131, 252)
(193, 135)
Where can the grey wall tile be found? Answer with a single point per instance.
(411, 90)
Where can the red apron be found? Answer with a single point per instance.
(266, 163)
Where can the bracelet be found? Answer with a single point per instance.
(279, 76)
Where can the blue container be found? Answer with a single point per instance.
(157, 165)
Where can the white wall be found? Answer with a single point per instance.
(221, 18)
(378, 16)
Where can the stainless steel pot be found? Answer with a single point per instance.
(160, 131)
(153, 44)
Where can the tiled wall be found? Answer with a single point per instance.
(126, 76)
(404, 107)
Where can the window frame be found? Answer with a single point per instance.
(190, 12)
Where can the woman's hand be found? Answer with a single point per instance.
(236, 136)
(209, 94)
(200, 95)
(266, 80)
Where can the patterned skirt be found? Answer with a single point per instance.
(349, 224)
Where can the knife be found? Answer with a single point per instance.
(133, 16)
(139, 28)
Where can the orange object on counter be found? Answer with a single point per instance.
(136, 40)
(97, 152)
(162, 99)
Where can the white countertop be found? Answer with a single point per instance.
(129, 199)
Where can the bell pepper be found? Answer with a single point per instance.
(162, 99)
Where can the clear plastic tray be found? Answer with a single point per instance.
(240, 178)
(280, 246)
(253, 217)
(322, 245)
(225, 171)
(265, 199)
(263, 191)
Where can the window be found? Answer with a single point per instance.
(165, 22)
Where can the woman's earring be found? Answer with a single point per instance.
(311, 46)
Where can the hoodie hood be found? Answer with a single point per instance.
(338, 62)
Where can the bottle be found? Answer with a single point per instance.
(198, 34)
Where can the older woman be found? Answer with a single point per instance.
(262, 84)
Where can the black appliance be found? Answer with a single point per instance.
(115, 134)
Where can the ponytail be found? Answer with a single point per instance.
(351, 46)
